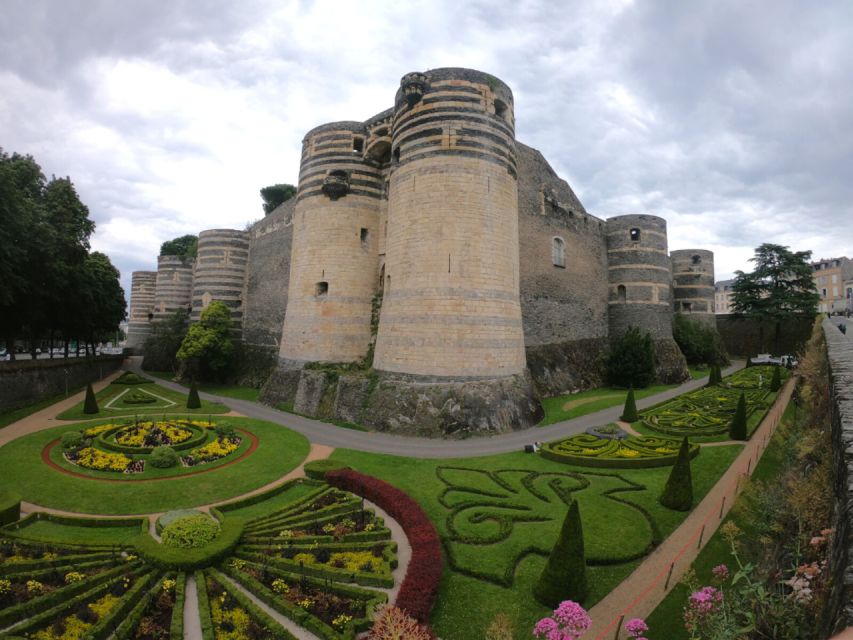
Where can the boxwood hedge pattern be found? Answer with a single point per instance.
(709, 411)
(320, 561)
(636, 452)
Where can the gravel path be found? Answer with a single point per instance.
(192, 619)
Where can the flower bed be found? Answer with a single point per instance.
(91, 458)
(632, 452)
(215, 450)
(704, 412)
(420, 586)
(152, 434)
(755, 377)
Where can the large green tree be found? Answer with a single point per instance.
(275, 194)
(780, 288)
(184, 246)
(207, 349)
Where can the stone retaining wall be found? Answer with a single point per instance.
(28, 381)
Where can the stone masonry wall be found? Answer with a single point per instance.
(28, 381)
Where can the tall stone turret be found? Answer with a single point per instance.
(334, 259)
(142, 289)
(174, 286)
(640, 281)
(220, 271)
(451, 302)
(693, 284)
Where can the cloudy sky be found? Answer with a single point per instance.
(730, 118)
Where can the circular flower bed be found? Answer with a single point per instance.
(189, 532)
(632, 452)
(152, 434)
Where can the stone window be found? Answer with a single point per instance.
(558, 252)
(500, 109)
(357, 144)
(365, 238)
(696, 259)
(621, 293)
(321, 289)
(635, 235)
(396, 154)
(687, 307)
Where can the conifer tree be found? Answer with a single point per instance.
(776, 382)
(629, 413)
(678, 492)
(713, 376)
(737, 429)
(90, 405)
(193, 401)
(564, 577)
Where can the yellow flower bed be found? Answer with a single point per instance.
(93, 431)
(219, 448)
(75, 628)
(92, 458)
(134, 436)
(355, 560)
(237, 617)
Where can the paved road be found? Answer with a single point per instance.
(376, 442)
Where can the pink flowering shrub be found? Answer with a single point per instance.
(570, 621)
(635, 628)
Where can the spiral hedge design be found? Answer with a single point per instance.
(636, 452)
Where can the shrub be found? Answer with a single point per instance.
(130, 378)
(72, 440)
(90, 405)
(700, 343)
(392, 623)
(631, 361)
(224, 430)
(737, 429)
(163, 457)
(564, 576)
(193, 401)
(715, 377)
(629, 413)
(776, 382)
(138, 398)
(316, 469)
(10, 507)
(678, 492)
(190, 532)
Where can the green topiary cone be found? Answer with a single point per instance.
(564, 577)
(737, 429)
(776, 382)
(629, 413)
(193, 401)
(712, 376)
(678, 492)
(90, 405)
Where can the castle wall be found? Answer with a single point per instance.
(693, 284)
(174, 286)
(334, 258)
(267, 277)
(142, 295)
(220, 272)
(451, 307)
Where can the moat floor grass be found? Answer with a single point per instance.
(228, 390)
(666, 621)
(477, 562)
(279, 451)
(120, 409)
(9, 417)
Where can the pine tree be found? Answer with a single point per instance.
(678, 492)
(564, 577)
(737, 429)
(90, 405)
(776, 382)
(193, 401)
(629, 413)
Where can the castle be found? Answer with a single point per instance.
(447, 259)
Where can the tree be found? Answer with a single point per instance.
(631, 361)
(90, 404)
(162, 345)
(737, 428)
(678, 492)
(207, 348)
(564, 576)
(776, 381)
(184, 246)
(629, 413)
(780, 288)
(276, 194)
(699, 342)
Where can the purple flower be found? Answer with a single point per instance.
(636, 627)
(573, 617)
(721, 572)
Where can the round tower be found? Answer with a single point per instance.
(693, 284)
(174, 286)
(220, 271)
(334, 260)
(142, 287)
(640, 284)
(451, 300)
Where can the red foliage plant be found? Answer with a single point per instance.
(423, 575)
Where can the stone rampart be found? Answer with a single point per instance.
(749, 337)
(220, 272)
(693, 283)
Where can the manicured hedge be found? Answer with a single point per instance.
(384, 581)
(276, 630)
(420, 586)
(176, 559)
(69, 562)
(95, 523)
(200, 435)
(260, 497)
(10, 507)
(203, 606)
(586, 450)
(176, 632)
(316, 469)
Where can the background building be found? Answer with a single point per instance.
(830, 277)
(723, 297)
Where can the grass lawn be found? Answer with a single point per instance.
(9, 417)
(279, 451)
(498, 517)
(273, 503)
(165, 401)
(665, 622)
(66, 533)
(227, 390)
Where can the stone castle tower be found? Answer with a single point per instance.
(444, 263)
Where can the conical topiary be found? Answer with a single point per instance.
(713, 378)
(193, 401)
(737, 429)
(629, 413)
(748, 361)
(90, 405)
(678, 492)
(564, 577)
(776, 382)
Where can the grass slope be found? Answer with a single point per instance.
(227, 390)
(119, 408)
(467, 603)
(46, 531)
(9, 417)
(279, 451)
